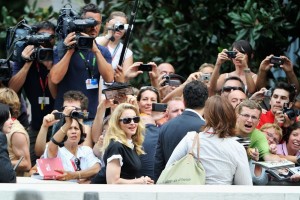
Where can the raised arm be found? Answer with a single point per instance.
(18, 79)
(60, 69)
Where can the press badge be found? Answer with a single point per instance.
(44, 100)
(91, 83)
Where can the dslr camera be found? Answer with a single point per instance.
(290, 112)
(74, 114)
(69, 21)
(18, 37)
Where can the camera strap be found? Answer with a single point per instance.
(87, 67)
(42, 100)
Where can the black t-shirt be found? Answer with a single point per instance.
(130, 159)
(35, 82)
(7, 174)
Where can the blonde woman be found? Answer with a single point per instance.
(123, 145)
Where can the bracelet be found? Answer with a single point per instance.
(62, 130)
(247, 70)
(79, 175)
(55, 142)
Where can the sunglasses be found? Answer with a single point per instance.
(77, 163)
(76, 108)
(127, 120)
(230, 88)
(149, 88)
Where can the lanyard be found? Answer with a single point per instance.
(43, 86)
(86, 63)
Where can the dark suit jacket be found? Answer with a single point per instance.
(170, 134)
(7, 174)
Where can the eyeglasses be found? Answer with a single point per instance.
(271, 137)
(230, 88)
(128, 120)
(77, 163)
(246, 117)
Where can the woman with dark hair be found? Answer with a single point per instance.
(146, 97)
(223, 158)
(290, 148)
(240, 55)
(79, 161)
(7, 173)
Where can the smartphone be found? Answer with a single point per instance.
(276, 60)
(231, 54)
(145, 67)
(159, 107)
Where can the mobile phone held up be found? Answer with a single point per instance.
(145, 67)
(159, 107)
(276, 60)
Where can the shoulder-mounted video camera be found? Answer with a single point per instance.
(18, 37)
(69, 21)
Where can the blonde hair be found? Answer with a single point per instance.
(114, 131)
(204, 65)
(10, 98)
(277, 128)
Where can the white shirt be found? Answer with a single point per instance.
(224, 159)
(84, 154)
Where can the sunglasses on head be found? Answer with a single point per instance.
(127, 120)
(230, 88)
(77, 163)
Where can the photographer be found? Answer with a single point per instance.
(32, 76)
(114, 31)
(269, 64)
(80, 69)
(281, 101)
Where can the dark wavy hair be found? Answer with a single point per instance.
(4, 114)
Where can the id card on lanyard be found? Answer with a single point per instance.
(43, 100)
(91, 82)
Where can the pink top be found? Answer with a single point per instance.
(282, 150)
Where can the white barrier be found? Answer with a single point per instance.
(153, 192)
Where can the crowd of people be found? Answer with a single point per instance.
(84, 111)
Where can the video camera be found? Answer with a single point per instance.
(69, 21)
(18, 37)
(74, 114)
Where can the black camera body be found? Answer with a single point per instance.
(69, 21)
(21, 35)
(276, 60)
(74, 114)
(290, 112)
(173, 80)
(231, 54)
